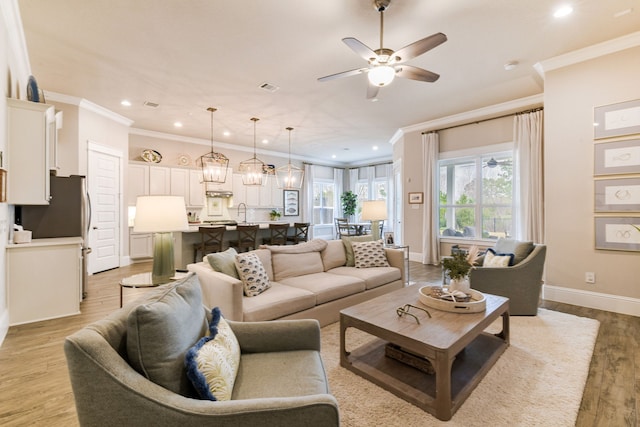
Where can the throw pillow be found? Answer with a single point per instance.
(494, 259)
(520, 250)
(212, 364)
(161, 330)
(349, 249)
(369, 254)
(253, 275)
(224, 262)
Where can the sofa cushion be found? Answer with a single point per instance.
(520, 249)
(280, 300)
(252, 273)
(369, 254)
(494, 259)
(291, 265)
(333, 255)
(212, 364)
(265, 259)
(373, 277)
(349, 249)
(224, 262)
(326, 287)
(161, 330)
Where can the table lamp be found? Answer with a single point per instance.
(161, 215)
(374, 211)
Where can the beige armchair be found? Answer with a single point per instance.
(521, 283)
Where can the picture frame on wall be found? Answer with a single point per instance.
(617, 195)
(618, 119)
(617, 233)
(214, 206)
(617, 157)
(291, 203)
(416, 198)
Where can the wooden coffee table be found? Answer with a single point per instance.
(455, 344)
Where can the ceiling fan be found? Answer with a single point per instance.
(385, 64)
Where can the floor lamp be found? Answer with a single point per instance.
(374, 211)
(161, 215)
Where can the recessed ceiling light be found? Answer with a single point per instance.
(226, 133)
(265, 141)
(596, 124)
(125, 103)
(177, 124)
(375, 147)
(333, 156)
(562, 11)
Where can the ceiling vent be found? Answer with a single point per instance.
(269, 87)
(151, 104)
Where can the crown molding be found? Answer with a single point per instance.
(483, 113)
(587, 53)
(17, 46)
(87, 105)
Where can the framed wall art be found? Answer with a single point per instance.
(416, 198)
(214, 206)
(617, 195)
(617, 157)
(618, 119)
(291, 203)
(618, 233)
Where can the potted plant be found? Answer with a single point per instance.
(274, 215)
(458, 266)
(349, 201)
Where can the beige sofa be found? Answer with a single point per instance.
(308, 280)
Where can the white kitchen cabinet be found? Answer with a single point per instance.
(239, 190)
(196, 189)
(44, 279)
(159, 180)
(140, 245)
(137, 182)
(30, 128)
(179, 185)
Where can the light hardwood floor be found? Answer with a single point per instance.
(35, 389)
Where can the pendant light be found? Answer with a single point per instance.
(252, 170)
(214, 165)
(289, 177)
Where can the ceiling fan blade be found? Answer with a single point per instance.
(343, 74)
(419, 47)
(415, 73)
(372, 91)
(360, 48)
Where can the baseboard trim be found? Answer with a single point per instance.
(597, 300)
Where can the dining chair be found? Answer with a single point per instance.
(247, 235)
(344, 228)
(301, 233)
(210, 241)
(277, 234)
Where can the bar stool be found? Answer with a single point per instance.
(301, 233)
(210, 241)
(247, 235)
(277, 234)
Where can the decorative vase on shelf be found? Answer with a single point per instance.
(462, 284)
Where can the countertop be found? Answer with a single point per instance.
(57, 241)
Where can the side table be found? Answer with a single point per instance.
(143, 280)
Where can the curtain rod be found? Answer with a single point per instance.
(486, 120)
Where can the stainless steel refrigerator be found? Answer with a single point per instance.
(67, 215)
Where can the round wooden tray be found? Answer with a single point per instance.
(477, 304)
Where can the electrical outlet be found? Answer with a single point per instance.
(590, 277)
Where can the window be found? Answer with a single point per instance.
(323, 199)
(476, 196)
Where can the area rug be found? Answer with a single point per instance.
(538, 381)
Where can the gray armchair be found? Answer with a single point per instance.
(281, 380)
(520, 283)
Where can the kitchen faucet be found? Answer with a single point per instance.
(245, 212)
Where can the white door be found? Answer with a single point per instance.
(104, 191)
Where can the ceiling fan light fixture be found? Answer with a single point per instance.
(252, 170)
(214, 165)
(381, 75)
(289, 177)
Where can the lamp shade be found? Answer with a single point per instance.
(374, 210)
(381, 75)
(160, 214)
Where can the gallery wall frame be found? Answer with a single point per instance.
(617, 233)
(416, 198)
(214, 206)
(617, 157)
(622, 118)
(617, 195)
(291, 203)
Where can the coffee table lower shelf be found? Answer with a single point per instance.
(419, 388)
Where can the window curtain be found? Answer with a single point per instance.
(307, 207)
(338, 182)
(527, 131)
(430, 241)
(388, 225)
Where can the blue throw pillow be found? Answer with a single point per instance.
(495, 259)
(212, 363)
